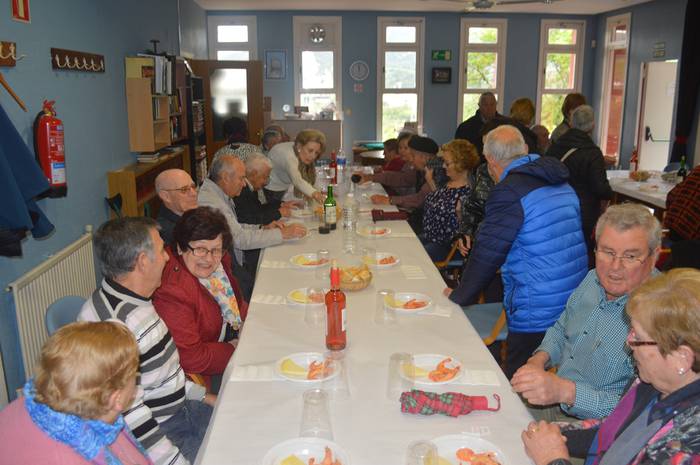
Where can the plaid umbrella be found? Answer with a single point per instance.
(449, 403)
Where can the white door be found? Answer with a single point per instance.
(658, 90)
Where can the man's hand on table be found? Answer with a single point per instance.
(540, 387)
(209, 399)
(378, 199)
(544, 442)
(318, 197)
(293, 231)
(274, 225)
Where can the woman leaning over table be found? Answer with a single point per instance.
(71, 411)
(658, 419)
(293, 164)
(199, 298)
(440, 222)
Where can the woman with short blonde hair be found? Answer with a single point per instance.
(71, 411)
(293, 164)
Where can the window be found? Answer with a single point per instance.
(400, 80)
(317, 55)
(614, 82)
(232, 38)
(482, 59)
(561, 66)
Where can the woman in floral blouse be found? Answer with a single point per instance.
(199, 298)
(440, 221)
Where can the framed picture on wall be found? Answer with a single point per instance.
(275, 64)
(442, 75)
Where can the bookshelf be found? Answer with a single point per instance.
(198, 139)
(136, 182)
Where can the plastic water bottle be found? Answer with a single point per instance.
(341, 161)
(349, 222)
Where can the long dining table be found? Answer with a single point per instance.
(253, 415)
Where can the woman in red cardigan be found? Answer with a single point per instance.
(199, 298)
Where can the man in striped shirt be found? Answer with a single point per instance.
(169, 415)
(587, 343)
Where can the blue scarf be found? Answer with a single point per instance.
(87, 437)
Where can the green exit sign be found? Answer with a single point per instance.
(441, 55)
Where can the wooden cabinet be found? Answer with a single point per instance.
(136, 182)
(149, 116)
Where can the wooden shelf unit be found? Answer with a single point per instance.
(148, 116)
(136, 182)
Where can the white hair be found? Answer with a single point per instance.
(504, 144)
(583, 118)
(256, 162)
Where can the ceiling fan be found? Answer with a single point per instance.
(471, 5)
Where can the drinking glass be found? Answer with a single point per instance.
(369, 255)
(322, 271)
(383, 313)
(315, 416)
(338, 386)
(421, 453)
(314, 312)
(400, 377)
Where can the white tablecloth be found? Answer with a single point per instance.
(652, 191)
(252, 416)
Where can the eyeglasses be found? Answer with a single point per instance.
(183, 189)
(626, 259)
(633, 341)
(203, 252)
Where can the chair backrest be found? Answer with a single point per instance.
(65, 310)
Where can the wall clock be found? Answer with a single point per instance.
(359, 70)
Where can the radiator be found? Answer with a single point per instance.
(69, 272)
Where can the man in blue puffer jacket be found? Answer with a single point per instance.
(532, 232)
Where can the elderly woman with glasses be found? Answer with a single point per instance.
(71, 411)
(199, 298)
(658, 420)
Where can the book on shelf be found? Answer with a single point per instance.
(148, 157)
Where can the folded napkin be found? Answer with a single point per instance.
(478, 378)
(268, 299)
(381, 215)
(261, 372)
(452, 404)
(412, 272)
(274, 264)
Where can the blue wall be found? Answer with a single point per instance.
(441, 32)
(657, 21)
(93, 110)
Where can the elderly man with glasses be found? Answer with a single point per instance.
(178, 193)
(587, 343)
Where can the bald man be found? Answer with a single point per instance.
(178, 193)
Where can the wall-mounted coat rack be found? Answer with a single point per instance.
(8, 54)
(70, 60)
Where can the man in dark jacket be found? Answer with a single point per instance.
(586, 165)
(532, 232)
(178, 193)
(471, 128)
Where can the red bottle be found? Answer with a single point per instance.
(333, 169)
(336, 328)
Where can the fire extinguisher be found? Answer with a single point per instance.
(49, 149)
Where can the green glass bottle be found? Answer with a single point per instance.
(682, 171)
(329, 212)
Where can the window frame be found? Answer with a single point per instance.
(419, 47)
(213, 22)
(500, 48)
(300, 45)
(604, 103)
(545, 48)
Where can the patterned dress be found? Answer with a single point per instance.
(440, 218)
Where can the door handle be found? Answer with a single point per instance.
(649, 137)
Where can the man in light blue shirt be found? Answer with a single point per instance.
(587, 343)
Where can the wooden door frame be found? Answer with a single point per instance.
(254, 73)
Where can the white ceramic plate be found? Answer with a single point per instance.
(449, 445)
(301, 213)
(374, 231)
(304, 359)
(305, 261)
(298, 296)
(429, 362)
(400, 298)
(304, 449)
(379, 257)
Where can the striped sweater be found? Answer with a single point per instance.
(162, 385)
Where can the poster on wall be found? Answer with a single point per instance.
(20, 10)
